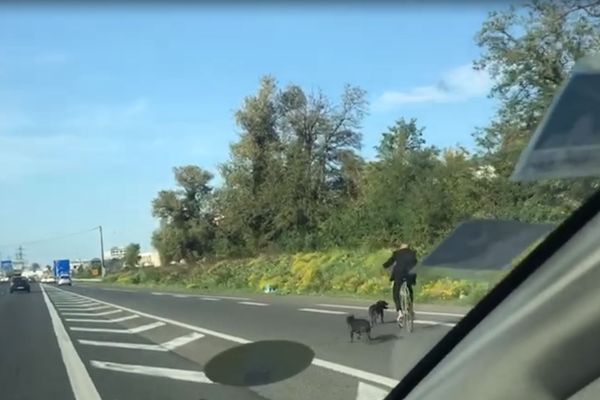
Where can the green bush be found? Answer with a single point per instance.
(349, 272)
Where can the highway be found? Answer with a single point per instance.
(98, 342)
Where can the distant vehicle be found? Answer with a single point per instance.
(4, 279)
(48, 279)
(20, 283)
(64, 280)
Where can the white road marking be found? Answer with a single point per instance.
(121, 345)
(171, 373)
(425, 322)
(83, 314)
(96, 308)
(202, 297)
(78, 306)
(316, 310)
(74, 303)
(357, 373)
(130, 331)
(182, 341)
(252, 303)
(441, 314)
(169, 345)
(103, 321)
(207, 298)
(370, 392)
(81, 383)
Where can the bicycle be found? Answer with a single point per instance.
(406, 306)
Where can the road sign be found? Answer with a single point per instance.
(6, 265)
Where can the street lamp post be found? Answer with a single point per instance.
(102, 251)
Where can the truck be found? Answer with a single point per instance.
(62, 268)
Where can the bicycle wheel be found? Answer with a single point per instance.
(406, 307)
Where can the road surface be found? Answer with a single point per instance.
(96, 342)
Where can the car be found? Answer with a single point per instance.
(20, 283)
(4, 279)
(48, 279)
(64, 280)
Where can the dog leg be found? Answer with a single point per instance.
(351, 336)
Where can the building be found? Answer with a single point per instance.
(149, 259)
(115, 253)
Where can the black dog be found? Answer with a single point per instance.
(376, 310)
(358, 326)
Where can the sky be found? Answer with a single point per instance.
(97, 105)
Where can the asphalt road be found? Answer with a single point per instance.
(96, 342)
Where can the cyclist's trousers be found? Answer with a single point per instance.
(396, 293)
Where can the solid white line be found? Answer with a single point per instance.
(424, 322)
(81, 383)
(370, 392)
(182, 341)
(130, 331)
(103, 321)
(181, 296)
(364, 375)
(442, 314)
(252, 303)
(120, 345)
(82, 309)
(316, 310)
(171, 373)
(357, 373)
(83, 314)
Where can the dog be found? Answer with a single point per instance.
(376, 310)
(358, 326)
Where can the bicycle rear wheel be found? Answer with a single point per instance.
(407, 308)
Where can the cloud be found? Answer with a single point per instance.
(459, 84)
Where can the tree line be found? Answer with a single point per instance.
(295, 179)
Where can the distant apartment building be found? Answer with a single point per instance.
(150, 259)
(115, 252)
(147, 258)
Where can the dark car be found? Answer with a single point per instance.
(20, 283)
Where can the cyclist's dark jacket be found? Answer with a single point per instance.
(405, 260)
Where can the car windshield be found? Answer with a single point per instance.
(330, 185)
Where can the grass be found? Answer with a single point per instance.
(338, 273)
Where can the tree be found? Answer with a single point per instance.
(35, 267)
(529, 51)
(132, 254)
(187, 228)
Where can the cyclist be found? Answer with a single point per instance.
(402, 262)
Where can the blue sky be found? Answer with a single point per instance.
(97, 105)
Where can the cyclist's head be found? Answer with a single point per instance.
(402, 245)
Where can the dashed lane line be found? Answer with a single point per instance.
(252, 303)
(316, 310)
(441, 314)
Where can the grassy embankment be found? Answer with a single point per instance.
(335, 272)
